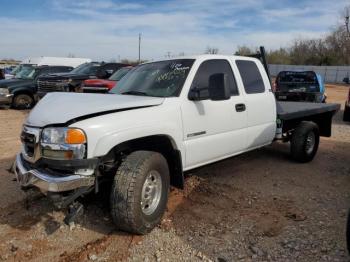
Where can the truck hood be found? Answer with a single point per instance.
(14, 83)
(66, 108)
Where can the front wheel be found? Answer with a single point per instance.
(304, 142)
(23, 101)
(140, 192)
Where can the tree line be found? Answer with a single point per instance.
(332, 49)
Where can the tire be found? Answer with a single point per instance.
(304, 142)
(130, 183)
(23, 101)
(346, 115)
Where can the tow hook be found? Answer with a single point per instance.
(75, 211)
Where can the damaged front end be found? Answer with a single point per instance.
(54, 161)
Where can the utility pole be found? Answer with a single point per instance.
(139, 48)
(347, 24)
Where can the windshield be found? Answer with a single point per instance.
(86, 69)
(160, 79)
(16, 69)
(298, 81)
(27, 72)
(119, 73)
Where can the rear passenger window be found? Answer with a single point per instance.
(252, 80)
(211, 67)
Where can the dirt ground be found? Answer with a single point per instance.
(259, 206)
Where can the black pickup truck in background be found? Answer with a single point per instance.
(71, 82)
(299, 86)
(19, 92)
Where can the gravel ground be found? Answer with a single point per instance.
(259, 206)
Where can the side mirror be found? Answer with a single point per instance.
(196, 93)
(346, 80)
(219, 88)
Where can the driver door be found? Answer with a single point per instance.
(213, 130)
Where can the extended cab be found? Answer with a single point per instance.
(165, 118)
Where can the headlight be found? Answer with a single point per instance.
(4, 91)
(63, 143)
(63, 135)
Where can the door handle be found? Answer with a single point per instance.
(240, 107)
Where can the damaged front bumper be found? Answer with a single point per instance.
(48, 180)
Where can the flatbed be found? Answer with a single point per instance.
(292, 110)
(290, 114)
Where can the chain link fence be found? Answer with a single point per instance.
(330, 74)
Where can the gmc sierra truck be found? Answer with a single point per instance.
(163, 119)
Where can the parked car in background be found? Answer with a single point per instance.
(72, 81)
(104, 85)
(48, 61)
(299, 86)
(2, 73)
(346, 116)
(19, 92)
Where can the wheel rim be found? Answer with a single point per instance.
(310, 143)
(24, 101)
(151, 192)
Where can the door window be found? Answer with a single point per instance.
(252, 80)
(211, 67)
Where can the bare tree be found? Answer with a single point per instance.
(211, 50)
(70, 55)
(244, 51)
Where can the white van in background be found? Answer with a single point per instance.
(50, 61)
(55, 61)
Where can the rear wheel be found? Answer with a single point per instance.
(23, 101)
(304, 142)
(346, 116)
(140, 192)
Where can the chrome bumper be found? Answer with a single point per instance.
(47, 181)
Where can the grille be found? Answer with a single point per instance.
(30, 139)
(51, 86)
(29, 142)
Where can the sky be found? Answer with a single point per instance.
(109, 29)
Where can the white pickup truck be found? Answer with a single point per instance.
(162, 119)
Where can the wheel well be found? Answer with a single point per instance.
(158, 143)
(23, 92)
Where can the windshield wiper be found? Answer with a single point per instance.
(135, 93)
